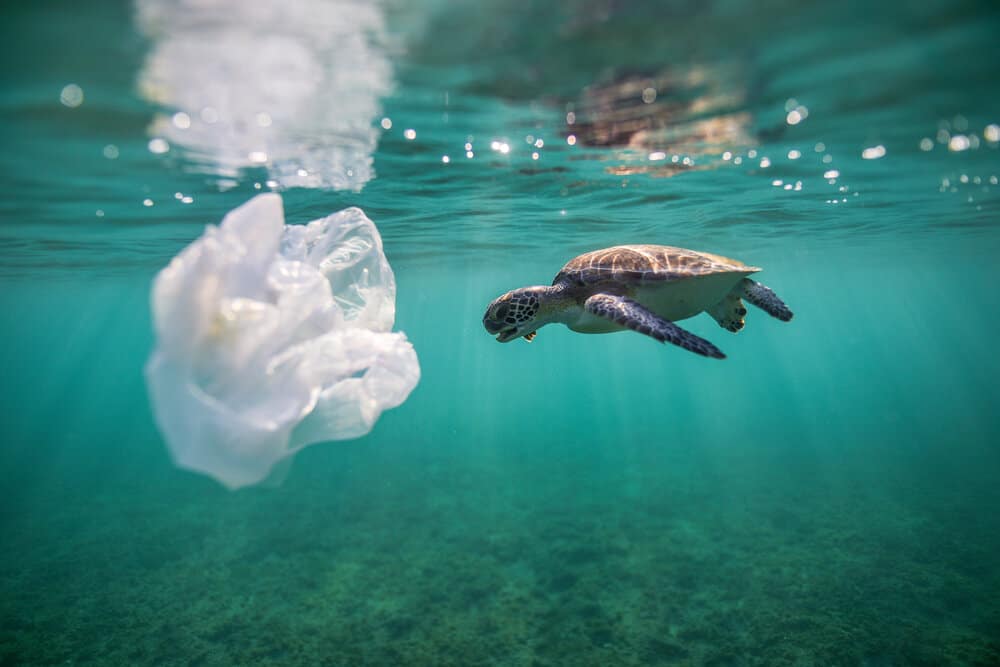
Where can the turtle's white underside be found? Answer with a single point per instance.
(673, 301)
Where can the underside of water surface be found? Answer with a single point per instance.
(828, 494)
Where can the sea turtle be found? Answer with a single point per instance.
(645, 288)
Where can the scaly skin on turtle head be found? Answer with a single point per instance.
(513, 314)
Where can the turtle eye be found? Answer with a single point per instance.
(501, 312)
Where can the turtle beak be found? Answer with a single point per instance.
(507, 335)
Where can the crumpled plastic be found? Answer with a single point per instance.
(270, 337)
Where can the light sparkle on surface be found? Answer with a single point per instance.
(386, 123)
(181, 120)
(111, 152)
(958, 143)
(992, 133)
(410, 133)
(873, 152)
(926, 144)
(158, 146)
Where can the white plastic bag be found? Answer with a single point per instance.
(272, 337)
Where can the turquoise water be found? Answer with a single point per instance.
(827, 495)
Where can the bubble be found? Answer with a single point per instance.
(410, 134)
(111, 152)
(71, 95)
(181, 120)
(386, 123)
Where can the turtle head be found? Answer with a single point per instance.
(514, 314)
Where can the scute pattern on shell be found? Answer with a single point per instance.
(636, 264)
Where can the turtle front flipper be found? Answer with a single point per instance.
(633, 315)
(764, 298)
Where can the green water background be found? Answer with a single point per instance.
(827, 495)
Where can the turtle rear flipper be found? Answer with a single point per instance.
(764, 298)
(633, 315)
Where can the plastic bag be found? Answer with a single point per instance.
(270, 337)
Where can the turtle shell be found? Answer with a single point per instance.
(642, 264)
